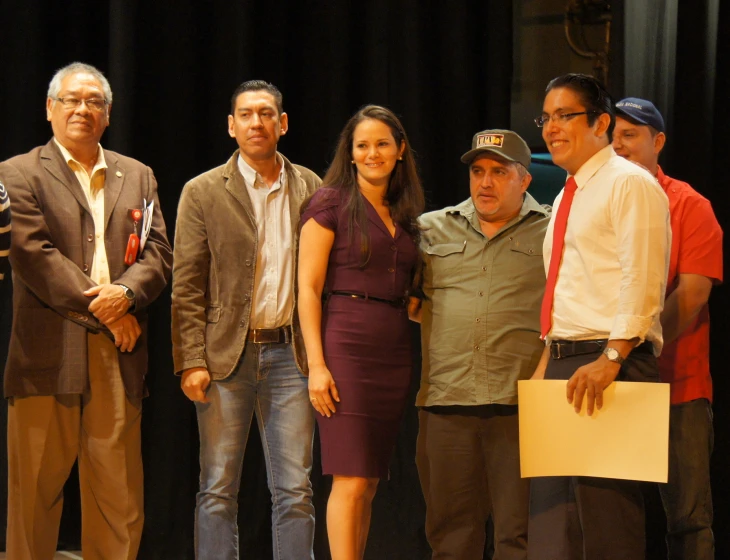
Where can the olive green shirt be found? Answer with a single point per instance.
(480, 329)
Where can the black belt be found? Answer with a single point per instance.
(398, 302)
(567, 348)
(270, 336)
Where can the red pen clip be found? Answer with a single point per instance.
(130, 256)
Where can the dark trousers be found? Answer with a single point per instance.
(687, 497)
(469, 467)
(589, 518)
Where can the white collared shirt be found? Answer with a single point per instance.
(93, 187)
(612, 279)
(273, 288)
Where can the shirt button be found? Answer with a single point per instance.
(509, 238)
(393, 248)
(530, 251)
(90, 238)
(248, 263)
(86, 267)
(476, 348)
(484, 268)
(481, 293)
(391, 269)
(478, 319)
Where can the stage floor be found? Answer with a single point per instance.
(60, 555)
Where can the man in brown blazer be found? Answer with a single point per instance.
(235, 332)
(77, 360)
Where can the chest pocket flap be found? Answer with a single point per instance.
(527, 248)
(443, 263)
(445, 249)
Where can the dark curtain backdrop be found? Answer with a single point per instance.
(173, 67)
(445, 70)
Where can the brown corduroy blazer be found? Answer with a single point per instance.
(51, 253)
(216, 241)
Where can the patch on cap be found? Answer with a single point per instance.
(489, 141)
(629, 104)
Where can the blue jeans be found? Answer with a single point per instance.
(687, 497)
(268, 383)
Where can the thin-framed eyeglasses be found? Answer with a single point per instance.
(560, 117)
(94, 103)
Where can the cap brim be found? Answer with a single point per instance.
(469, 156)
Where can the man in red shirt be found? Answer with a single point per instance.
(695, 265)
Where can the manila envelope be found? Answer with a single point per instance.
(627, 439)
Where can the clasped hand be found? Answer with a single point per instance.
(109, 303)
(126, 331)
(110, 307)
(589, 381)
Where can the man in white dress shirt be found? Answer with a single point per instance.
(600, 315)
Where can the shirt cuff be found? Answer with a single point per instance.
(626, 327)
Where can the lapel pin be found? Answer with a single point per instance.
(119, 173)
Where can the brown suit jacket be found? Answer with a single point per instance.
(216, 241)
(51, 252)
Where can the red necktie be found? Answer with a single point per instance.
(559, 227)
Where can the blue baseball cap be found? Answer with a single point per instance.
(640, 111)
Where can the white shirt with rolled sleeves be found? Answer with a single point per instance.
(612, 280)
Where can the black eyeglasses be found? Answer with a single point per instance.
(560, 117)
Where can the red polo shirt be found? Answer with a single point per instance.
(696, 249)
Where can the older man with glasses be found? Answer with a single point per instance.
(75, 371)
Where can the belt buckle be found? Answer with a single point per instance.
(265, 336)
(555, 351)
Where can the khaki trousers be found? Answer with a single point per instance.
(46, 434)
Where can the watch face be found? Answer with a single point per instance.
(612, 354)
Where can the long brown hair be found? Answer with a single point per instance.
(404, 195)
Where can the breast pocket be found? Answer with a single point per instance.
(526, 261)
(529, 249)
(443, 264)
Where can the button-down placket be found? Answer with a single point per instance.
(479, 250)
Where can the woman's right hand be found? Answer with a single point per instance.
(322, 390)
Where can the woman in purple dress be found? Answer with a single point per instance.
(358, 245)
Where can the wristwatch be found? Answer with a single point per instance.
(613, 355)
(129, 294)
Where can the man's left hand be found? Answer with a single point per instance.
(126, 331)
(589, 381)
(110, 303)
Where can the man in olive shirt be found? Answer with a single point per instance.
(483, 281)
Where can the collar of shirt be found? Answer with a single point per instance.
(100, 161)
(589, 168)
(529, 205)
(250, 175)
(664, 180)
